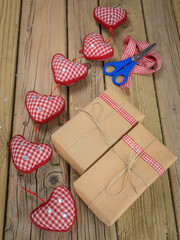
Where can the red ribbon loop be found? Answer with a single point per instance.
(144, 66)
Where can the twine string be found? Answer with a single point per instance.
(128, 168)
(95, 119)
(108, 140)
(129, 165)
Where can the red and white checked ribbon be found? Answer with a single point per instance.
(153, 163)
(144, 66)
(118, 108)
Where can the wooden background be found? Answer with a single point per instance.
(31, 32)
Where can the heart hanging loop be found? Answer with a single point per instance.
(36, 128)
(33, 193)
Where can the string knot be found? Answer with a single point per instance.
(127, 170)
(95, 119)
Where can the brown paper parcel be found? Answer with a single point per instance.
(101, 187)
(81, 143)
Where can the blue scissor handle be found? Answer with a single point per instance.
(124, 72)
(118, 65)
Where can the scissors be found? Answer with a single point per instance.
(124, 67)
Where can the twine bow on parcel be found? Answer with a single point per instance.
(127, 170)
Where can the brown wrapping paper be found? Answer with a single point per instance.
(92, 185)
(81, 143)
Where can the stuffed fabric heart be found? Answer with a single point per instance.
(43, 108)
(28, 156)
(58, 213)
(94, 47)
(110, 17)
(67, 72)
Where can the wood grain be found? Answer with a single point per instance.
(48, 27)
(153, 211)
(43, 33)
(161, 28)
(81, 23)
(176, 9)
(9, 28)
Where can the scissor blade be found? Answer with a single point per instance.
(143, 53)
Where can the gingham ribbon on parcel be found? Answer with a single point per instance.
(153, 163)
(144, 66)
(118, 109)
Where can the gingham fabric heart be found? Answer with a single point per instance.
(43, 108)
(94, 47)
(110, 17)
(58, 213)
(67, 72)
(28, 156)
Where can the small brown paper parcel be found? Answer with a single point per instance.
(87, 136)
(114, 182)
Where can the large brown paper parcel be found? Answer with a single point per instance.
(81, 143)
(101, 187)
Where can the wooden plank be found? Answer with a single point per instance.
(152, 215)
(176, 9)
(43, 33)
(9, 28)
(81, 23)
(161, 28)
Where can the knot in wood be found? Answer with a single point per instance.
(54, 179)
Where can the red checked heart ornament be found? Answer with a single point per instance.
(28, 156)
(43, 108)
(95, 48)
(110, 17)
(58, 213)
(67, 72)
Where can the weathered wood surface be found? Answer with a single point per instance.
(9, 28)
(163, 30)
(81, 23)
(43, 33)
(60, 26)
(175, 8)
(151, 209)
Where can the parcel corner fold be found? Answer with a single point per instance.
(100, 187)
(87, 136)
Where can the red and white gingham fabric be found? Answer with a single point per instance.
(118, 109)
(67, 72)
(110, 17)
(94, 47)
(144, 66)
(58, 213)
(153, 163)
(28, 156)
(43, 108)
